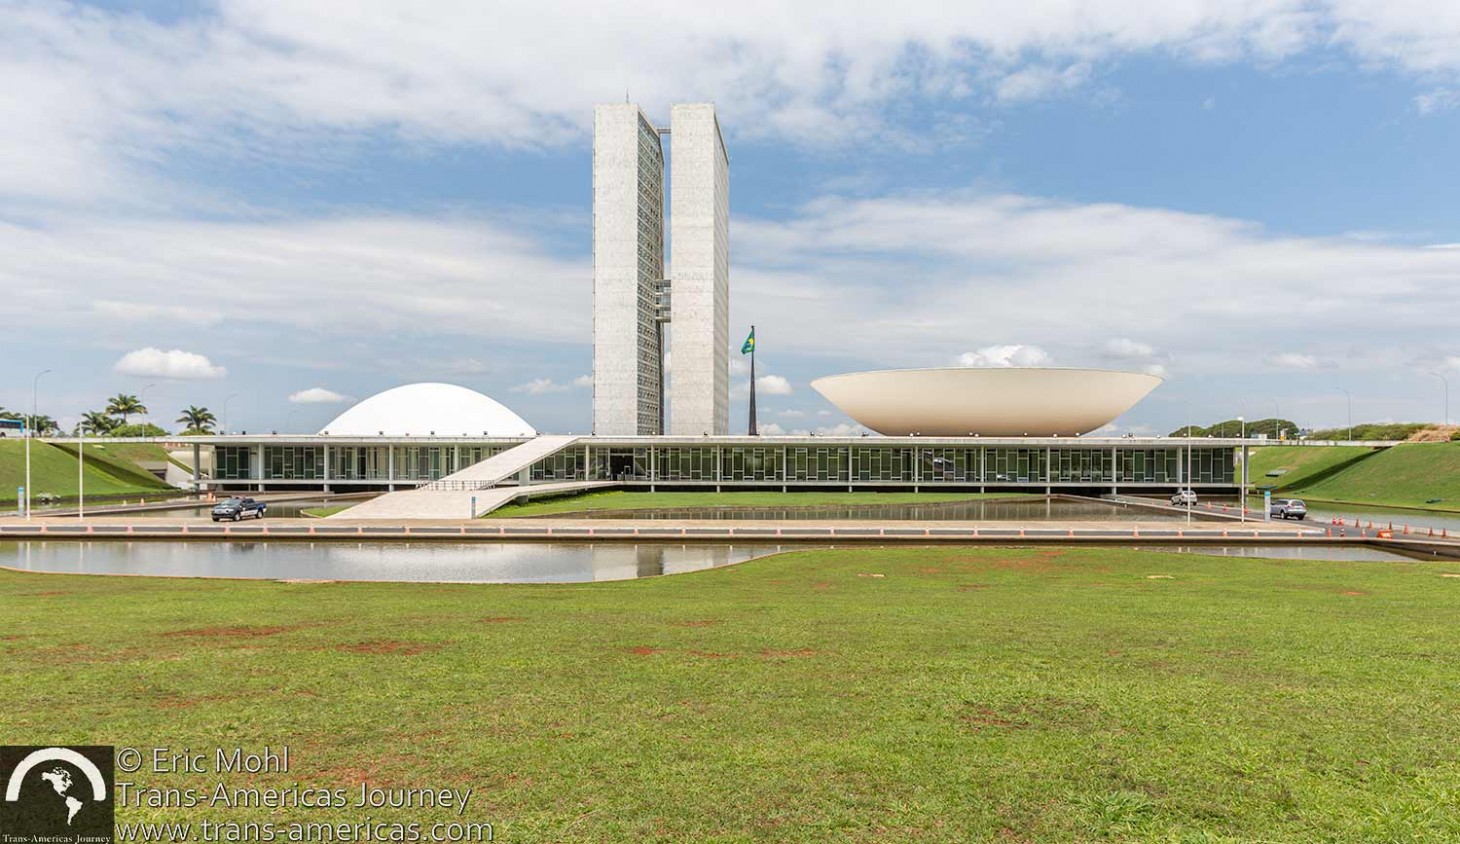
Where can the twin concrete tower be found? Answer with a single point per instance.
(634, 299)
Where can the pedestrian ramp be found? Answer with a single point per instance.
(479, 488)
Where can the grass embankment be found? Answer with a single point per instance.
(1300, 464)
(53, 470)
(1408, 475)
(622, 500)
(964, 695)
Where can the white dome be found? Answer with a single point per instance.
(419, 409)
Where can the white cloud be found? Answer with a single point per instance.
(1040, 81)
(765, 385)
(795, 414)
(999, 356)
(93, 96)
(352, 275)
(540, 386)
(1156, 369)
(318, 395)
(1452, 362)
(1065, 274)
(583, 381)
(738, 366)
(770, 429)
(1126, 348)
(772, 385)
(1437, 100)
(1293, 360)
(172, 364)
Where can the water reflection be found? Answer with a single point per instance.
(465, 562)
(1010, 510)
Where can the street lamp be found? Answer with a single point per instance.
(1243, 502)
(142, 399)
(225, 412)
(1447, 395)
(30, 435)
(1350, 413)
(1190, 487)
(81, 470)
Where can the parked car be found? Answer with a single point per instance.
(235, 509)
(1288, 508)
(1183, 498)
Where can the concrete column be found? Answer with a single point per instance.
(197, 465)
(326, 474)
(1114, 470)
(390, 468)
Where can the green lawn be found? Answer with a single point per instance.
(621, 500)
(322, 512)
(1300, 463)
(987, 695)
(1404, 476)
(53, 470)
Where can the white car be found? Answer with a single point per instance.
(1184, 497)
(1288, 508)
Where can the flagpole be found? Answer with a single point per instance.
(753, 431)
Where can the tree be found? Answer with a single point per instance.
(44, 425)
(97, 422)
(7, 414)
(199, 420)
(137, 429)
(125, 406)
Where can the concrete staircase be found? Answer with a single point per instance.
(493, 482)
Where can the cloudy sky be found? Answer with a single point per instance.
(297, 204)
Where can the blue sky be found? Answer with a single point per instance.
(1255, 200)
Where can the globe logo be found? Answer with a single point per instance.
(53, 791)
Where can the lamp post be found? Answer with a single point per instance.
(1350, 397)
(1243, 503)
(1447, 395)
(142, 400)
(30, 435)
(1277, 417)
(230, 398)
(81, 471)
(1190, 487)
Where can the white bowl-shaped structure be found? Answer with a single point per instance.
(993, 402)
(422, 409)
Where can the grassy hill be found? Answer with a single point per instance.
(1301, 465)
(620, 500)
(53, 470)
(932, 695)
(1407, 475)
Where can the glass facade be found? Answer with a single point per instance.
(750, 463)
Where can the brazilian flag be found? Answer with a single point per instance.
(749, 345)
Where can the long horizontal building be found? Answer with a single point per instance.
(1084, 465)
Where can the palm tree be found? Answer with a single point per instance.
(125, 406)
(198, 419)
(43, 425)
(97, 422)
(8, 414)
